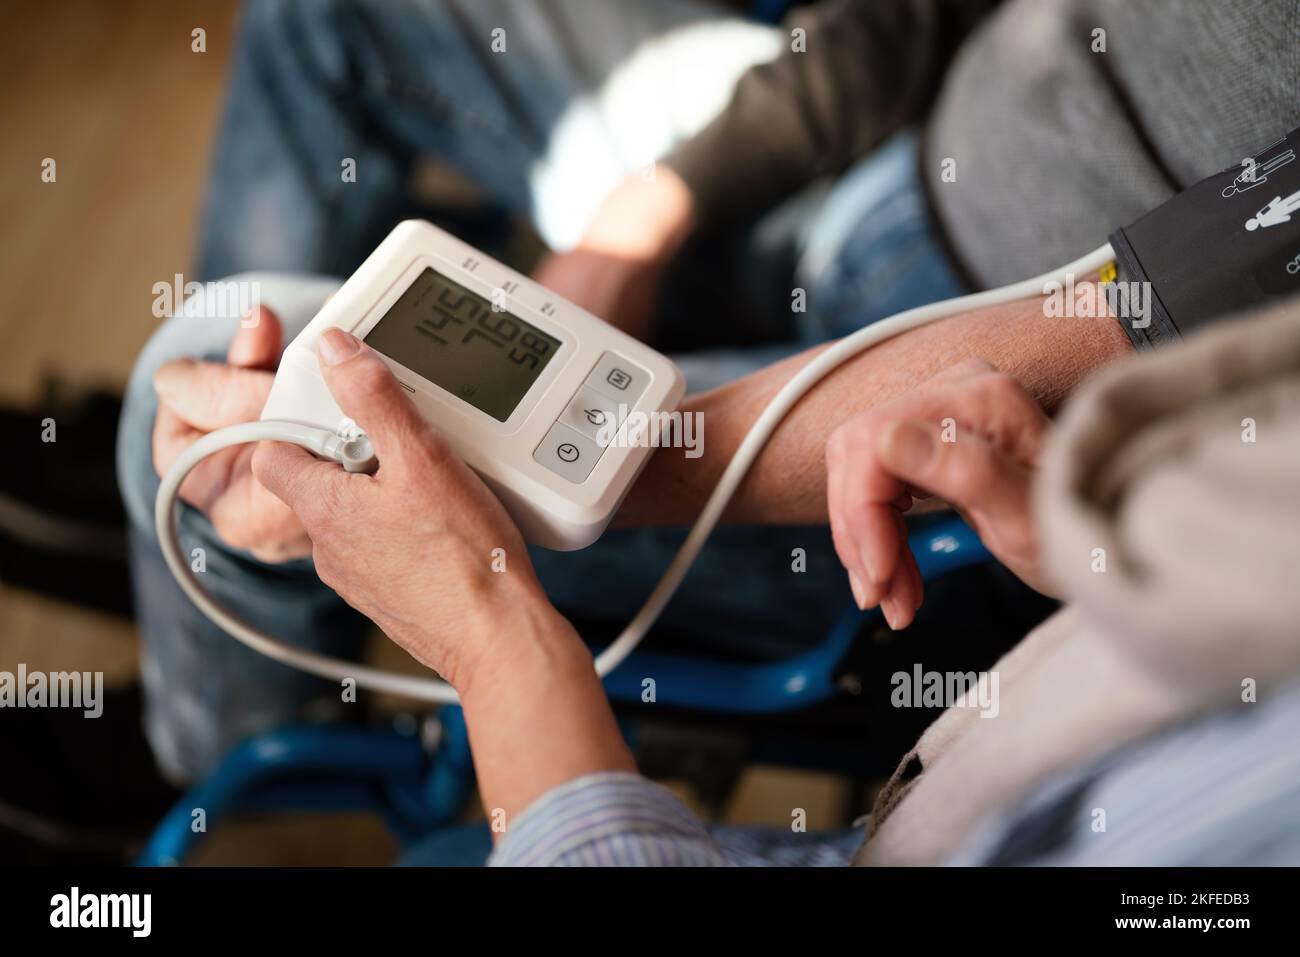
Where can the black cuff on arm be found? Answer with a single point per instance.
(1227, 243)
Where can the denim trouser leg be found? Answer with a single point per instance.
(203, 690)
(872, 249)
(545, 106)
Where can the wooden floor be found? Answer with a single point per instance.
(113, 93)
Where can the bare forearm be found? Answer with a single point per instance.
(537, 716)
(787, 484)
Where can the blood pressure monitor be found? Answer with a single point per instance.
(537, 395)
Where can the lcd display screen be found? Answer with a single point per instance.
(454, 338)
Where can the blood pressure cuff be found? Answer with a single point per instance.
(1227, 243)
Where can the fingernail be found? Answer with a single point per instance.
(907, 446)
(859, 593)
(890, 611)
(337, 346)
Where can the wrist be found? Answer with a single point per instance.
(672, 488)
(517, 636)
(537, 717)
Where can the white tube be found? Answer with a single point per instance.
(326, 444)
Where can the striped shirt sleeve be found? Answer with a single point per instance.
(607, 819)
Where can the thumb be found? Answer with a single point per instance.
(968, 473)
(368, 393)
(256, 344)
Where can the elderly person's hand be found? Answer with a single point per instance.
(195, 398)
(970, 436)
(426, 551)
(422, 547)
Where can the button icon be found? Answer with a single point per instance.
(592, 415)
(567, 452)
(619, 378)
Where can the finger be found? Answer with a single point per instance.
(245, 514)
(208, 478)
(171, 436)
(317, 491)
(256, 344)
(836, 449)
(859, 498)
(211, 395)
(849, 559)
(1009, 416)
(989, 402)
(905, 591)
(368, 393)
(969, 472)
(916, 593)
(871, 502)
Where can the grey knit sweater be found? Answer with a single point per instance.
(1058, 133)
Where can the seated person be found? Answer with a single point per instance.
(799, 142)
(1191, 613)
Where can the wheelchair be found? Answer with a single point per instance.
(802, 711)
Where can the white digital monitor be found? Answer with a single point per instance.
(533, 392)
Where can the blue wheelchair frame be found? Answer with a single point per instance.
(419, 789)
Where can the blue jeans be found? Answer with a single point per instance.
(382, 84)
